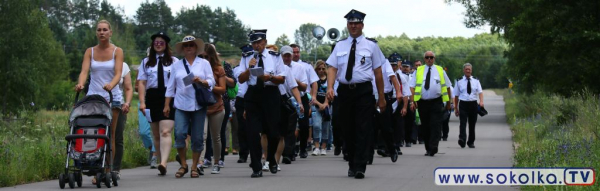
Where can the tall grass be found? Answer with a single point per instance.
(554, 131)
(34, 149)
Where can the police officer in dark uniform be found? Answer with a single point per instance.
(353, 62)
(262, 99)
(247, 51)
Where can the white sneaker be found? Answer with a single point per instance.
(316, 152)
(323, 152)
(266, 166)
(216, 169)
(153, 162)
(278, 168)
(206, 163)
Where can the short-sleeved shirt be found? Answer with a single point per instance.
(367, 57)
(311, 75)
(460, 90)
(296, 72)
(388, 74)
(150, 74)
(403, 80)
(242, 87)
(273, 64)
(434, 90)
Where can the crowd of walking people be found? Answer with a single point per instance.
(279, 107)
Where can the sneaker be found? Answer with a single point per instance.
(323, 152)
(216, 170)
(150, 155)
(221, 164)
(278, 168)
(153, 162)
(316, 152)
(206, 163)
(266, 166)
(200, 170)
(118, 175)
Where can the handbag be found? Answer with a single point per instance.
(204, 96)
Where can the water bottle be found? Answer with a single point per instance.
(300, 114)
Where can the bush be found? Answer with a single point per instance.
(555, 131)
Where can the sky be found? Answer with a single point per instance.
(415, 18)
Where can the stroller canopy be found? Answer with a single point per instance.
(91, 105)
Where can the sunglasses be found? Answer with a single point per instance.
(429, 57)
(189, 45)
(321, 69)
(159, 43)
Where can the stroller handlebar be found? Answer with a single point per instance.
(109, 95)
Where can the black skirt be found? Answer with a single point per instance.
(155, 101)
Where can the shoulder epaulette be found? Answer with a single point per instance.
(372, 39)
(274, 53)
(474, 77)
(342, 39)
(246, 54)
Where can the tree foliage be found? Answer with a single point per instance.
(33, 60)
(282, 41)
(304, 37)
(554, 44)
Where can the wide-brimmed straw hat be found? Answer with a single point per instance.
(199, 44)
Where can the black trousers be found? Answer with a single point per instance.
(409, 125)
(288, 128)
(431, 113)
(337, 129)
(303, 125)
(243, 141)
(383, 131)
(398, 124)
(468, 113)
(446, 127)
(262, 116)
(356, 114)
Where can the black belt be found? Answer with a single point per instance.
(474, 101)
(354, 85)
(432, 100)
(389, 95)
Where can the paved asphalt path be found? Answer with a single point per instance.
(413, 171)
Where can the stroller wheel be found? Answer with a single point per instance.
(107, 178)
(98, 180)
(71, 180)
(61, 180)
(114, 178)
(78, 179)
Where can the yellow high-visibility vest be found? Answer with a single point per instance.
(419, 83)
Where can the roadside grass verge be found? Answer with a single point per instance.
(554, 131)
(33, 148)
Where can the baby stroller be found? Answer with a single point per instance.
(88, 142)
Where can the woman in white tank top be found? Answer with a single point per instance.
(105, 61)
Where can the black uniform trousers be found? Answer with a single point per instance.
(431, 113)
(288, 127)
(356, 118)
(262, 116)
(398, 124)
(335, 123)
(242, 129)
(409, 125)
(303, 125)
(468, 113)
(446, 126)
(383, 124)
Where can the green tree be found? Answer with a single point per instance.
(553, 43)
(33, 60)
(282, 41)
(304, 37)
